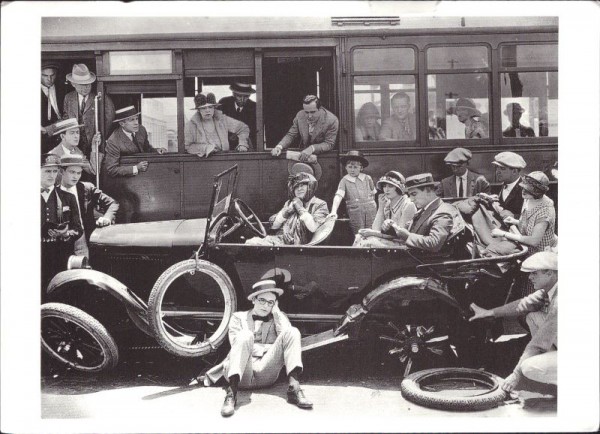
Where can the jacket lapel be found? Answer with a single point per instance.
(319, 125)
(303, 126)
(81, 198)
(89, 101)
(471, 178)
(425, 215)
(453, 192)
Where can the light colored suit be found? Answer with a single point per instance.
(257, 357)
(431, 228)
(476, 183)
(323, 136)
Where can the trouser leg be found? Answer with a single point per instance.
(285, 351)
(541, 368)
(240, 357)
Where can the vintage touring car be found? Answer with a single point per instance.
(179, 281)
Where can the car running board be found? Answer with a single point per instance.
(321, 339)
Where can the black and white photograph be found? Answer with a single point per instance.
(300, 216)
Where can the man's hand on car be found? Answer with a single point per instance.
(142, 166)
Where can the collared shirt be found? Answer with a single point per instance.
(81, 97)
(508, 188)
(47, 195)
(73, 191)
(68, 151)
(50, 92)
(130, 137)
(238, 108)
(464, 184)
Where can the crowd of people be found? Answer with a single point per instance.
(409, 210)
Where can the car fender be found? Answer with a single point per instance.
(102, 281)
(422, 286)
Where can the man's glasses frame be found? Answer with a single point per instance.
(264, 301)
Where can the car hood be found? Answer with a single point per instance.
(171, 233)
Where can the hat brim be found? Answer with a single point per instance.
(127, 117)
(82, 164)
(277, 291)
(87, 81)
(314, 169)
(452, 110)
(242, 92)
(426, 184)
(344, 159)
(206, 105)
(379, 185)
(62, 130)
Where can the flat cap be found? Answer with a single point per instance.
(509, 159)
(540, 261)
(458, 155)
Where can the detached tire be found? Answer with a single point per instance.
(456, 389)
(76, 339)
(190, 307)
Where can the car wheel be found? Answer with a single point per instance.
(75, 338)
(190, 306)
(457, 389)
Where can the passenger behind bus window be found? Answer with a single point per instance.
(367, 123)
(239, 106)
(514, 112)
(314, 126)
(208, 130)
(476, 126)
(401, 125)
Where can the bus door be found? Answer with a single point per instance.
(288, 76)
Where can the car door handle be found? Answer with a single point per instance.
(353, 288)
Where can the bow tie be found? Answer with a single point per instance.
(45, 190)
(266, 318)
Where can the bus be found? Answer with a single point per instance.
(501, 65)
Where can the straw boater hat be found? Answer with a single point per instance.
(207, 100)
(354, 156)
(66, 124)
(458, 156)
(81, 75)
(73, 160)
(125, 113)
(536, 183)
(509, 159)
(265, 286)
(421, 180)
(393, 178)
(464, 103)
(513, 107)
(313, 168)
(242, 88)
(50, 160)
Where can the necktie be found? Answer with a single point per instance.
(239, 109)
(460, 187)
(266, 318)
(133, 137)
(81, 108)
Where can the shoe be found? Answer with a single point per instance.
(228, 405)
(297, 397)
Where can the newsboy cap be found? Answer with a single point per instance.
(458, 155)
(421, 180)
(509, 159)
(540, 261)
(264, 286)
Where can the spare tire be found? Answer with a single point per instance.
(456, 389)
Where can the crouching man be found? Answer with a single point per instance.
(262, 342)
(538, 362)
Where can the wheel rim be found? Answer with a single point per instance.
(72, 343)
(193, 310)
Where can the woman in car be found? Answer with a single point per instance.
(300, 216)
(367, 123)
(395, 211)
(537, 222)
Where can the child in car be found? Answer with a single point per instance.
(358, 189)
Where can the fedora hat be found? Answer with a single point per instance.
(513, 107)
(66, 124)
(354, 156)
(81, 74)
(50, 160)
(125, 112)
(393, 178)
(464, 103)
(207, 100)
(421, 180)
(73, 160)
(264, 286)
(243, 88)
(313, 168)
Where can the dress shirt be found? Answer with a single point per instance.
(130, 136)
(508, 188)
(73, 191)
(464, 184)
(67, 151)
(50, 93)
(238, 108)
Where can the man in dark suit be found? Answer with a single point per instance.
(508, 171)
(79, 104)
(61, 223)
(89, 199)
(128, 139)
(434, 221)
(51, 105)
(463, 182)
(239, 106)
(514, 112)
(262, 342)
(315, 127)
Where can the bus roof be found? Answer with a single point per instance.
(107, 29)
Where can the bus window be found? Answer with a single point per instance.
(384, 108)
(530, 55)
(157, 104)
(473, 57)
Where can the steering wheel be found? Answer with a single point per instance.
(249, 218)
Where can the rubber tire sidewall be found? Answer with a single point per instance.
(411, 391)
(157, 294)
(90, 325)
